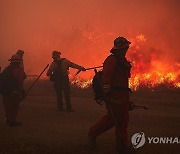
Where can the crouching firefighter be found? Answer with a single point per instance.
(115, 75)
(12, 89)
(58, 72)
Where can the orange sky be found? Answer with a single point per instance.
(84, 30)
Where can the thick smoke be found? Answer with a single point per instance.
(84, 30)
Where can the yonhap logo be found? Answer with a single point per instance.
(138, 140)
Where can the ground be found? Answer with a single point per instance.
(46, 130)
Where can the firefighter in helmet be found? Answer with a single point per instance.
(13, 77)
(115, 76)
(58, 72)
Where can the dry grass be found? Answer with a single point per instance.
(45, 130)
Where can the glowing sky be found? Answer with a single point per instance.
(84, 30)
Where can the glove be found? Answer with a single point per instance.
(82, 68)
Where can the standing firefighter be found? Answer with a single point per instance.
(12, 89)
(58, 72)
(115, 75)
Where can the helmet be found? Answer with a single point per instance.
(121, 42)
(20, 52)
(54, 53)
(15, 59)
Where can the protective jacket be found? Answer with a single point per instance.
(65, 66)
(116, 73)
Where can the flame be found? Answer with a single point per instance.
(141, 38)
(148, 69)
(81, 83)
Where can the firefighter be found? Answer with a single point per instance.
(58, 72)
(13, 77)
(115, 75)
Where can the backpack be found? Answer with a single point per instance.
(97, 86)
(97, 82)
(58, 72)
(7, 80)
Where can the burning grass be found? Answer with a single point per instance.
(81, 84)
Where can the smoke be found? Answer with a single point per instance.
(84, 30)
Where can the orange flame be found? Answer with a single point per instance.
(147, 68)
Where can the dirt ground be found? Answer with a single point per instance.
(46, 130)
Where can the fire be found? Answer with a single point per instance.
(150, 70)
(152, 80)
(141, 38)
(82, 83)
(147, 68)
